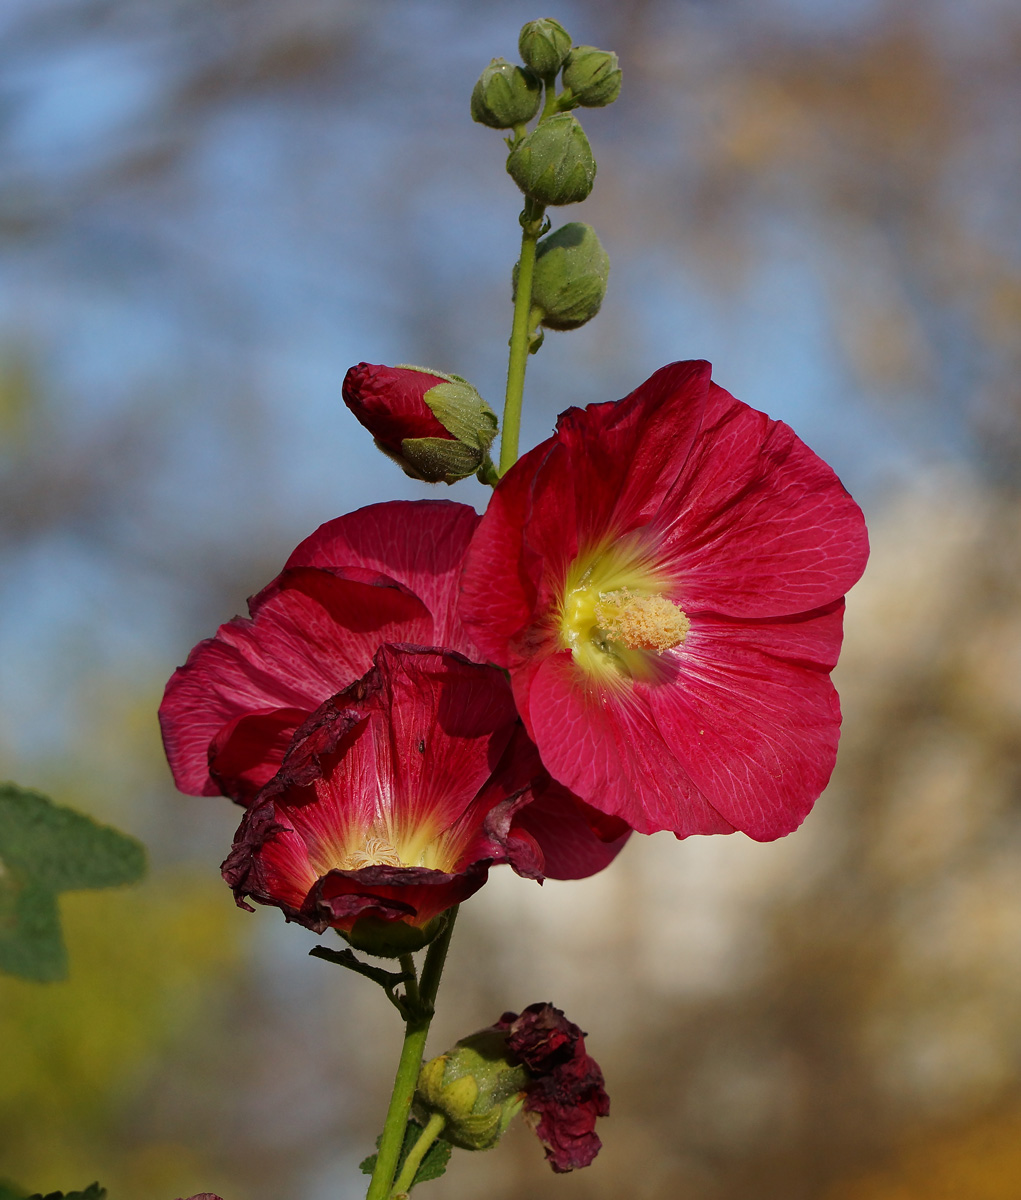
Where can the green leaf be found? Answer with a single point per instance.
(8, 1191)
(44, 850)
(63, 849)
(31, 944)
(431, 1167)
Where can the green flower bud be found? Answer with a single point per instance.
(553, 164)
(592, 76)
(544, 45)
(571, 269)
(476, 1089)
(505, 95)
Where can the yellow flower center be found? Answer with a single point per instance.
(641, 622)
(614, 617)
(381, 846)
(377, 851)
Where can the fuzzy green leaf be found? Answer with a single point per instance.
(46, 849)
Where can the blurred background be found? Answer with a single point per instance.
(209, 210)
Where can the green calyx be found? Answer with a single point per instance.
(475, 1088)
(592, 77)
(391, 939)
(553, 164)
(571, 271)
(468, 419)
(544, 45)
(505, 95)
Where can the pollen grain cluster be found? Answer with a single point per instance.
(641, 622)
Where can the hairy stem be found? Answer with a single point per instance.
(420, 998)
(521, 334)
(418, 1151)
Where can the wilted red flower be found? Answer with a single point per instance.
(566, 1093)
(664, 580)
(386, 573)
(394, 799)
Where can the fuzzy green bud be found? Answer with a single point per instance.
(476, 1088)
(544, 45)
(569, 283)
(554, 164)
(592, 76)
(505, 95)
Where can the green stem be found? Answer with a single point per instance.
(550, 106)
(421, 997)
(521, 335)
(433, 1129)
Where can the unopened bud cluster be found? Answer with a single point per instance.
(552, 164)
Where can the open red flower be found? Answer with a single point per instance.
(394, 800)
(671, 575)
(386, 573)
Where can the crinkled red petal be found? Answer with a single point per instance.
(413, 745)
(312, 633)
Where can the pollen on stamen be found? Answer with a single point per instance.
(641, 622)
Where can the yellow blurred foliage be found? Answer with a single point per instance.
(77, 1054)
(982, 1162)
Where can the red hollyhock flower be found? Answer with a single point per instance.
(394, 799)
(387, 573)
(567, 1092)
(672, 569)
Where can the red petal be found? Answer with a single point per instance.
(246, 754)
(606, 747)
(576, 840)
(742, 734)
(497, 595)
(298, 650)
(421, 544)
(625, 455)
(757, 525)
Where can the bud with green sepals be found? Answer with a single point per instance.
(554, 164)
(544, 46)
(476, 1088)
(436, 427)
(591, 77)
(571, 270)
(505, 95)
